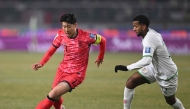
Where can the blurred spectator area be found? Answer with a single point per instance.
(49, 12)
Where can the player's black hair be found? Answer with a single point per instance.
(142, 19)
(69, 18)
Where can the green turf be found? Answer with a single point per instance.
(23, 88)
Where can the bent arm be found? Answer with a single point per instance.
(102, 47)
(102, 41)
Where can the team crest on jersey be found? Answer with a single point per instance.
(93, 36)
(147, 50)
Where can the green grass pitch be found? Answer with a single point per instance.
(23, 88)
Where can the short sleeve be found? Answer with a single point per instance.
(89, 38)
(92, 38)
(57, 41)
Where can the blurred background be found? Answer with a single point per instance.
(30, 25)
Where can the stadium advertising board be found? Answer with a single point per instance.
(114, 44)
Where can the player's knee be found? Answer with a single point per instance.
(54, 95)
(170, 101)
(131, 83)
(50, 98)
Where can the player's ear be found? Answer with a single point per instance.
(75, 24)
(143, 27)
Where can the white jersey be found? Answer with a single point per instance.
(155, 54)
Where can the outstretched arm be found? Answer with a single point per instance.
(102, 41)
(141, 63)
(45, 58)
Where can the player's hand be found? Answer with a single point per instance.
(36, 66)
(98, 62)
(120, 67)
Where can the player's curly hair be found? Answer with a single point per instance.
(69, 18)
(142, 19)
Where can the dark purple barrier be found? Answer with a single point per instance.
(14, 43)
(134, 45)
(114, 44)
(42, 32)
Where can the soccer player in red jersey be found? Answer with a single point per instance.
(72, 70)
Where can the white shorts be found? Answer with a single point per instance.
(168, 87)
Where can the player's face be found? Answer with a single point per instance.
(69, 29)
(138, 28)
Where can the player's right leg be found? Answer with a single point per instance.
(144, 75)
(135, 80)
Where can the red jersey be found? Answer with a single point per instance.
(76, 51)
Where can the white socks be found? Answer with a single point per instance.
(178, 104)
(128, 96)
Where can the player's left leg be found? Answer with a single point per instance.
(57, 104)
(54, 95)
(144, 75)
(67, 82)
(174, 102)
(59, 90)
(169, 89)
(45, 104)
(135, 80)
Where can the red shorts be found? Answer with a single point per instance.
(73, 79)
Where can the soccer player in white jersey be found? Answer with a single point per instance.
(155, 66)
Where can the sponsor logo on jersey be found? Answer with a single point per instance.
(147, 50)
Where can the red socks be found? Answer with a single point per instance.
(45, 104)
(48, 102)
(57, 104)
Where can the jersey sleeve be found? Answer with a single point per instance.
(141, 63)
(48, 55)
(57, 41)
(91, 38)
(149, 46)
(102, 42)
(96, 39)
